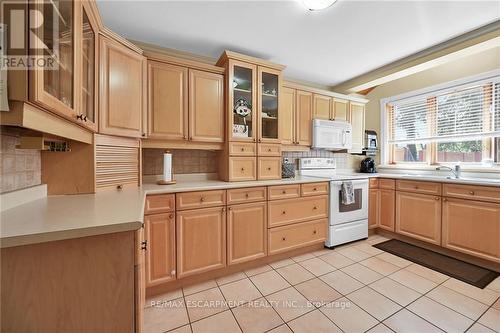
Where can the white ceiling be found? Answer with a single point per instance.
(328, 47)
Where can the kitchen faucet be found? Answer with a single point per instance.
(456, 171)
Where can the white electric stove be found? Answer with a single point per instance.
(347, 223)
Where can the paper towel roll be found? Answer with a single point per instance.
(167, 167)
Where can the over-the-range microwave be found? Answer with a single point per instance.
(332, 135)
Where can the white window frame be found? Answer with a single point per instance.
(427, 92)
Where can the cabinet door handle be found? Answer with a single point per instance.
(171, 216)
(144, 245)
(119, 187)
(283, 238)
(283, 212)
(471, 192)
(242, 169)
(253, 139)
(229, 208)
(80, 116)
(260, 140)
(315, 232)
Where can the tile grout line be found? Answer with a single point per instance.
(482, 314)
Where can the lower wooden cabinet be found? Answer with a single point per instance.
(419, 216)
(268, 168)
(472, 227)
(289, 211)
(289, 237)
(201, 240)
(386, 209)
(160, 235)
(373, 208)
(246, 232)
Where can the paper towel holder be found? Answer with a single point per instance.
(167, 182)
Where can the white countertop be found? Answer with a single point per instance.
(70, 216)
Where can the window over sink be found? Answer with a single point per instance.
(457, 122)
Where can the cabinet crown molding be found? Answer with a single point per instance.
(245, 58)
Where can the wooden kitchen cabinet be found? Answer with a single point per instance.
(472, 227)
(160, 237)
(288, 116)
(122, 88)
(290, 211)
(386, 209)
(322, 107)
(201, 240)
(304, 105)
(419, 216)
(268, 111)
(246, 232)
(268, 168)
(206, 106)
(340, 109)
(168, 101)
(357, 120)
(373, 208)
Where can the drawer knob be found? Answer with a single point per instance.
(283, 238)
(202, 199)
(416, 187)
(315, 207)
(242, 169)
(445, 200)
(171, 216)
(242, 149)
(283, 192)
(315, 232)
(437, 198)
(247, 195)
(283, 212)
(314, 189)
(269, 169)
(269, 149)
(471, 192)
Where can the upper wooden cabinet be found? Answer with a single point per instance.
(340, 109)
(322, 107)
(168, 101)
(357, 120)
(288, 116)
(268, 111)
(122, 88)
(304, 109)
(206, 106)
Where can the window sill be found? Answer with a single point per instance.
(466, 168)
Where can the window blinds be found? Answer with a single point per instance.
(468, 112)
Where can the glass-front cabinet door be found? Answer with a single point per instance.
(88, 68)
(268, 112)
(54, 85)
(242, 99)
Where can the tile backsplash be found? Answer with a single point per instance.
(343, 160)
(184, 161)
(21, 168)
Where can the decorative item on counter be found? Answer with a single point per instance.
(167, 170)
(287, 169)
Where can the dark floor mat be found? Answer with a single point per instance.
(460, 270)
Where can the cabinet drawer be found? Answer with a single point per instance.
(269, 149)
(419, 187)
(160, 203)
(200, 199)
(373, 182)
(242, 168)
(244, 195)
(313, 189)
(283, 192)
(293, 236)
(269, 168)
(388, 184)
(290, 211)
(242, 149)
(481, 193)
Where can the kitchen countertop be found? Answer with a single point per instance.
(70, 216)
(61, 217)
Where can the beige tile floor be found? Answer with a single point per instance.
(354, 288)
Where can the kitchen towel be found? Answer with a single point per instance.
(347, 193)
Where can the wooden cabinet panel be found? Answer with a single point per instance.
(246, 232)
(388, 184)
(374, 182)
(313, 189)
(419, 187)
(283, 191)
(293, 236)
(242, 149)
(304, 117)
(357, 120)
(200, 199)
(419, 216)
(122, 89)
(244, 195)
(268, 149)
(268, 168)
(160, 253)
(159, 203)
(242, 168)
(387, 209)
(472, 227)
(168, 101)
(201, 240)
(206, 106)
(289, 211)
(287, 114)
(340, 109)
(474, 192)
(322, 107)
(373, 208)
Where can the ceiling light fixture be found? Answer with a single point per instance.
(314, 5)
